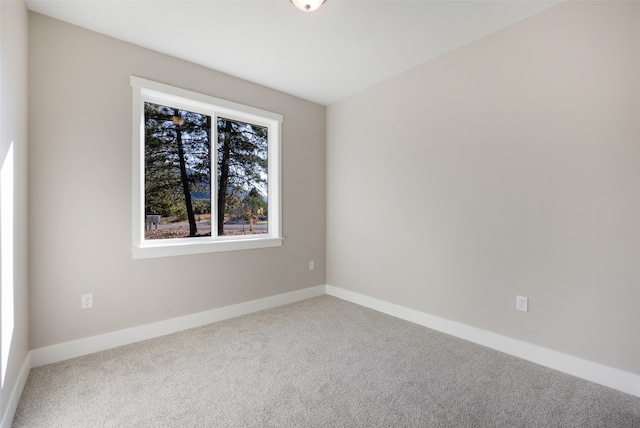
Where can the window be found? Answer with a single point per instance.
(206, 173)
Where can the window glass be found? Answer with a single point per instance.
(177, 185)
(242, 178)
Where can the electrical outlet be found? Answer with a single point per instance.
(87, 301)
(312, 265)
(522, 303)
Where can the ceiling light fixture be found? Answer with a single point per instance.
(307, 5)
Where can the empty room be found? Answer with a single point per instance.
(339, 213)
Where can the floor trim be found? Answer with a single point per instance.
(594, 372)
(89, 345)
(597, 373)
(9, 410)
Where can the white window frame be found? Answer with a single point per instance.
(159, 93)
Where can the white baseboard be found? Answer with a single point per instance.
(594, 372)
(89, 345)
(607, 376)
(9, 411)
(77, 348)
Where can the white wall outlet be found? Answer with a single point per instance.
(522, 303)
(312, 265)
(87, 301)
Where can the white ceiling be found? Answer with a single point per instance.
(322, 56)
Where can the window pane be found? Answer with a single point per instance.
(242, 178)
(177, 185)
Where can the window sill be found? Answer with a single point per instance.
(154, 250)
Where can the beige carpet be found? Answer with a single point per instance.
(322, 362)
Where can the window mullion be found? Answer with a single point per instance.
(214, 176)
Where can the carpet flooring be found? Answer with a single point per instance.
(322, 362)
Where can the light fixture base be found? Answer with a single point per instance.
(307, 5)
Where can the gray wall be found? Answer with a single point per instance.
(81, 184)
(13, 130)
(508, 167)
